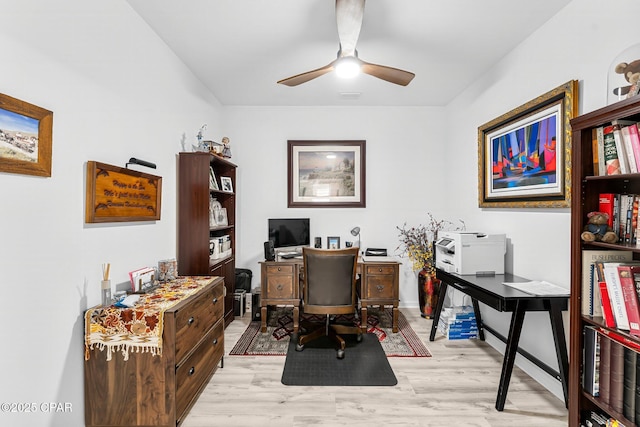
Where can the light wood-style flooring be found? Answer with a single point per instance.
(455, 387)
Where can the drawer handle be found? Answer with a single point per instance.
(215, 341)
(380, 288)
(191, 320)
(192, 371)
(279, 287)
(279, 269)
(215, 300)
(379, 269)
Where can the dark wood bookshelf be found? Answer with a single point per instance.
(586, 188)
(194, 229)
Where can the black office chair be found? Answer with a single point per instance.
(329, 288)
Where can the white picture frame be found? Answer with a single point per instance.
(213, 182)
(227, 184)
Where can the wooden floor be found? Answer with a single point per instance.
(455, 387)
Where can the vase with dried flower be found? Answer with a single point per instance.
(417, 244)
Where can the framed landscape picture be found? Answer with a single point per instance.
(524, 156)
(326, 174)
(25, 137)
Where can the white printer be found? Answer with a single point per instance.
(464, 252)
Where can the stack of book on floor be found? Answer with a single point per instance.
(458, 323)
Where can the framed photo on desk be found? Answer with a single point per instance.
(333, 242)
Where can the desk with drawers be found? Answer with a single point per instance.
(280, 285)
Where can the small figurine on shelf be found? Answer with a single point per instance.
(226, 149)
(202, 145)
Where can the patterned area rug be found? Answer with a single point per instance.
(274, 342)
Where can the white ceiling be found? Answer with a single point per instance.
(241, 48)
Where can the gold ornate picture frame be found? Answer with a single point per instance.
(524, 156)
(25, 137)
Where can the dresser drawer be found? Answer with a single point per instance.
(280, 269)
(194, 372)
(196, 318)
(280, 287)
(379, 287)
(380, 269)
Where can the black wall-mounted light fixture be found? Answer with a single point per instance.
(135, 161)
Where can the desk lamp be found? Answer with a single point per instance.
(355, 231)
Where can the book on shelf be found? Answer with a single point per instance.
(634, 220)
(623, 134)
(605, 368)
(616, 377)
(634, 137)
(598, 162)
(632, 146)
(602, 167)
(618, 337)
(611, 155)
(591, 276)
(623, 156)
(605, 205)
(627, 275)
(629, 396)
(607, 312)
(591, 361)
(612, 279)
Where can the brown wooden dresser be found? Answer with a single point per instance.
(159, 390)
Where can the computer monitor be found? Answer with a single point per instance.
(289, 232)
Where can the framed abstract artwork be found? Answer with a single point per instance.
(524, 156)
(326, 174)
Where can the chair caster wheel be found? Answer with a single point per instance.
(359, 338)
(299, 347)
(340, 354)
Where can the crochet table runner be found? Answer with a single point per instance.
(138, 328)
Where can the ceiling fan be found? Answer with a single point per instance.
(349, 15)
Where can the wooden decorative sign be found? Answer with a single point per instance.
(116, 194)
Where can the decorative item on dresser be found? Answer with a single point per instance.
(197, 231)
(587, 187)
(165, 360)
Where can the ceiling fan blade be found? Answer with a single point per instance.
(309, 75)
(390, 74)
(349, 15)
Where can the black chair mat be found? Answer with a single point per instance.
(364, 364)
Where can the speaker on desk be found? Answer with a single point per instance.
(269, 251)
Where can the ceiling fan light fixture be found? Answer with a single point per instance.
(347, 67)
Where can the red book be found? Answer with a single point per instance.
(606, 205)
(607, 312)
(628, 342)
(630, 297)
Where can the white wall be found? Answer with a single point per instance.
(116, 91)
(403, 158)
(578, 43)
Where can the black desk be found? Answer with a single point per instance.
(489, 290)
